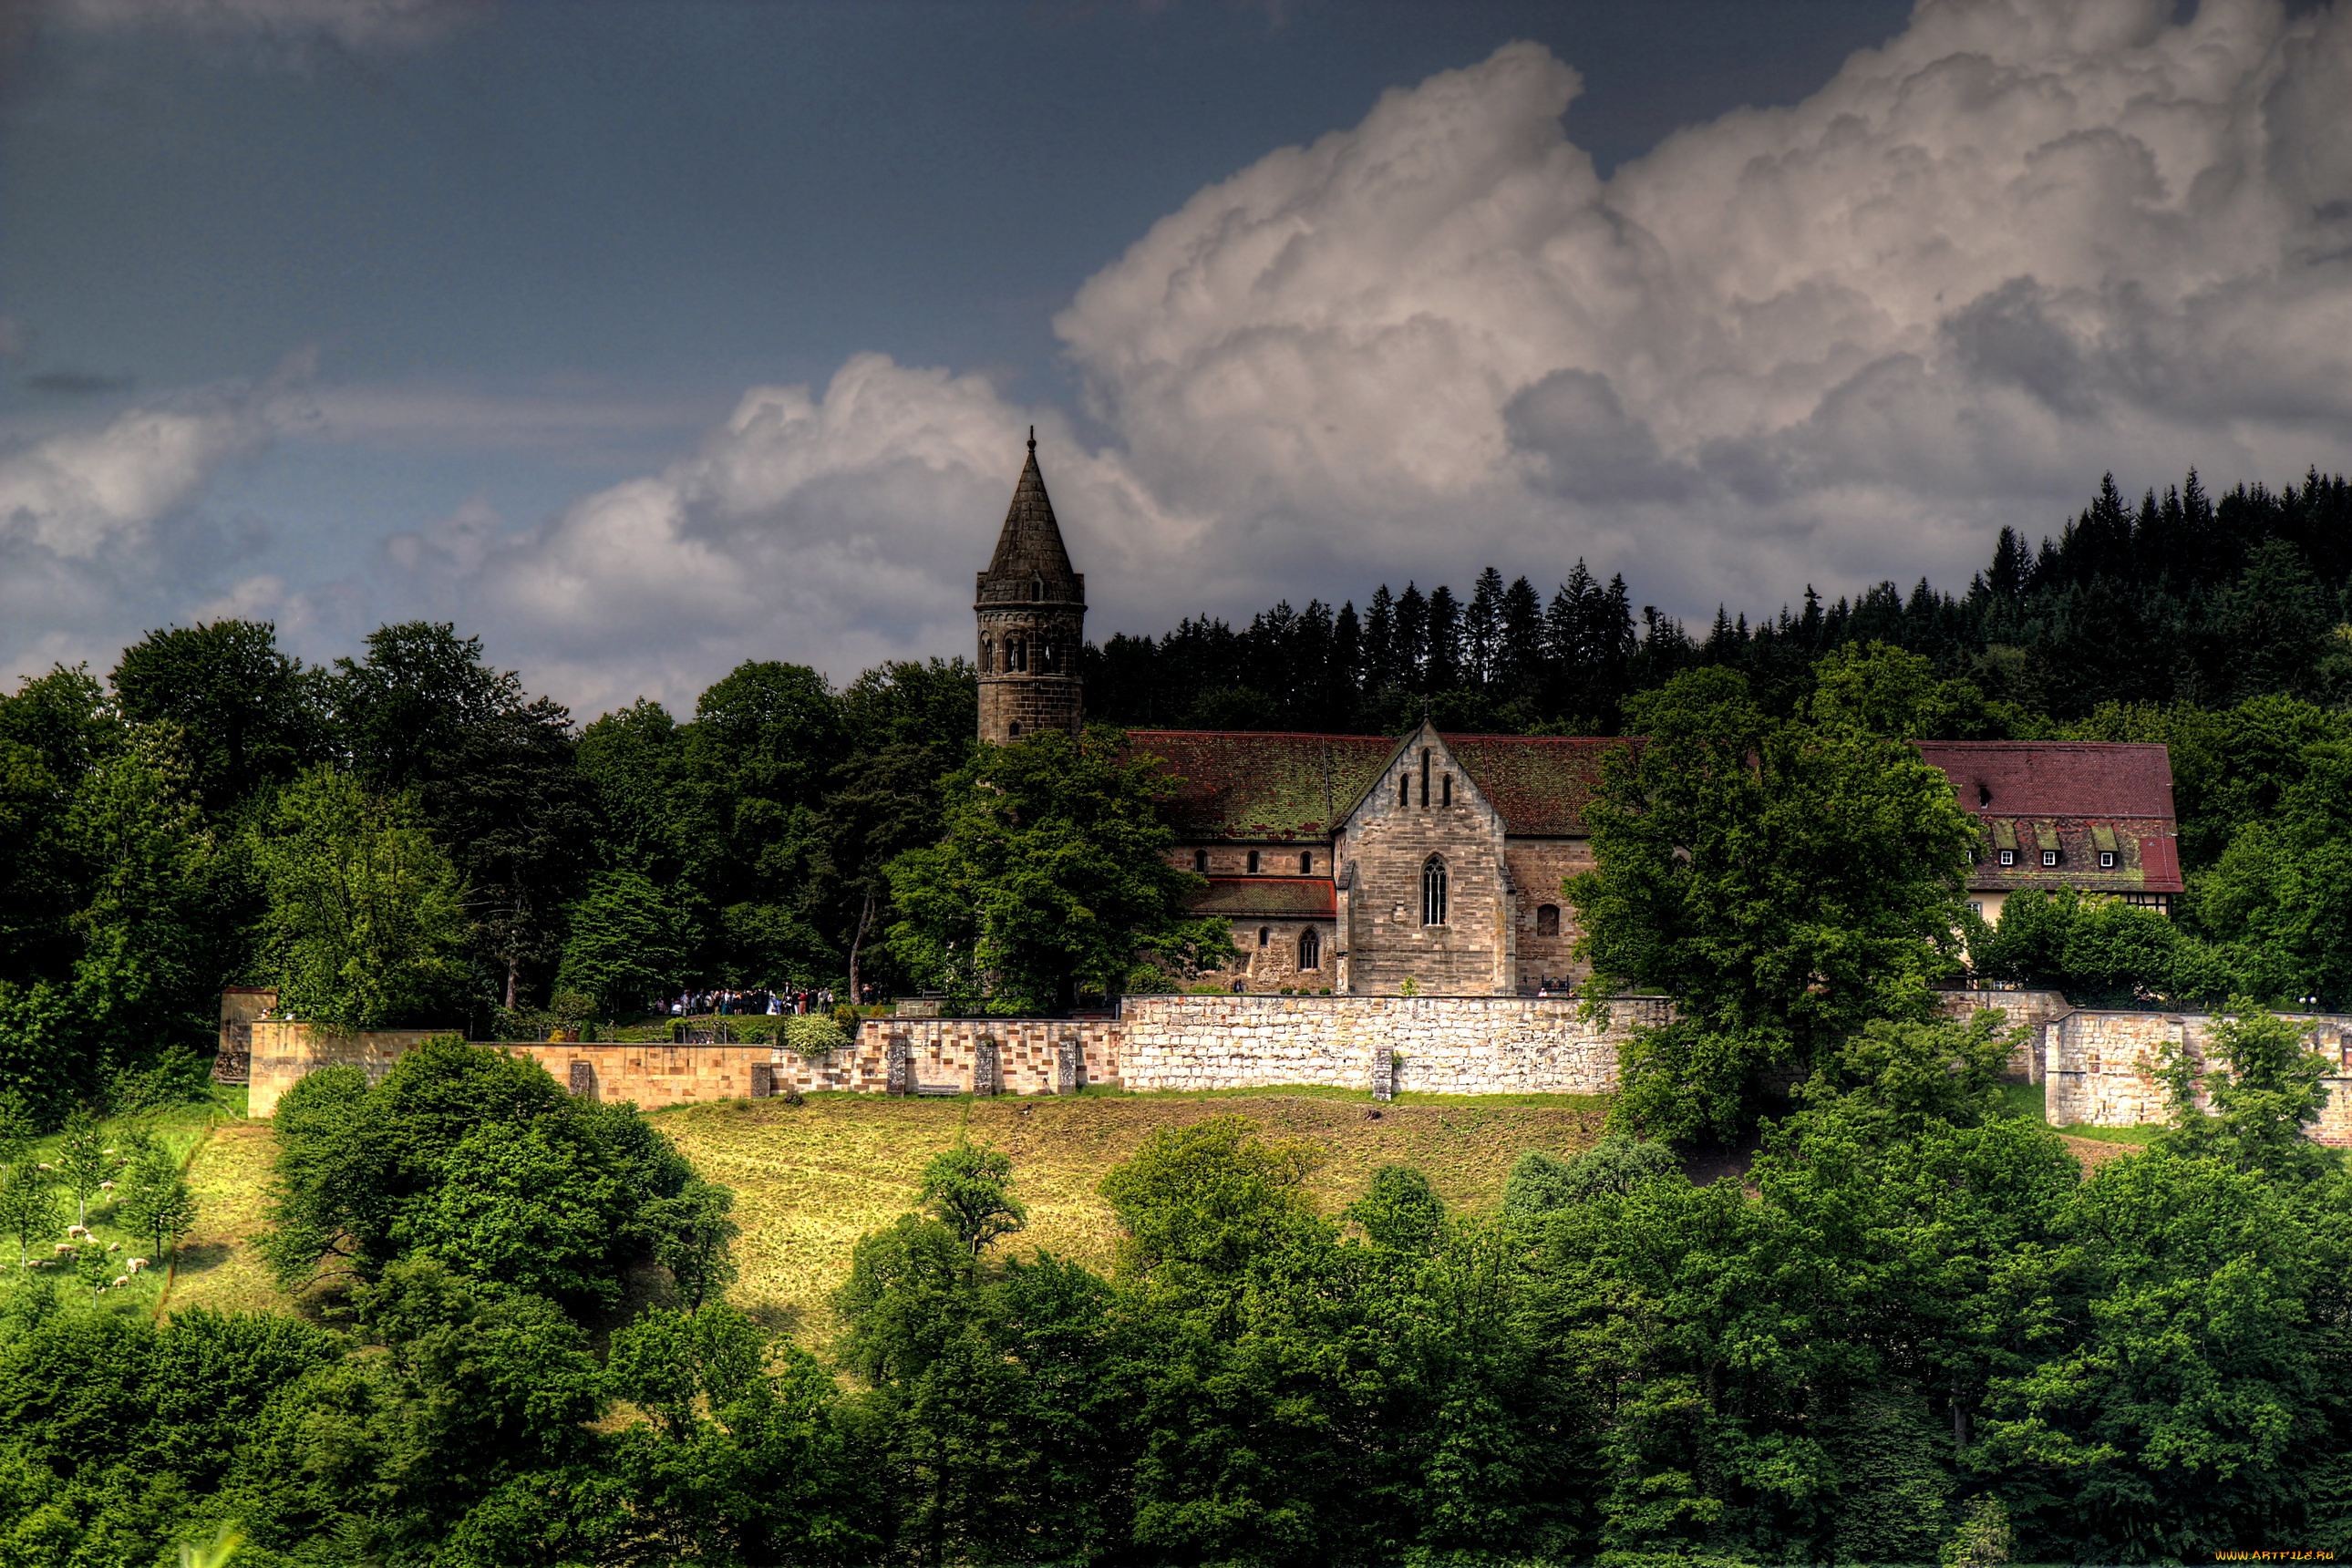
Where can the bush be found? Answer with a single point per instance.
(814, 1035)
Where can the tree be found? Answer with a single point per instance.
(2273, 1088)
(492, 773)
(29, 1208)
(1873, 689)
(17, 1129)
(365, 923)
(624, 944)
(249, 711)
(159, 1209)
(1783, 883)
(84, 1163)
(2282, 891)
(1053, 876)
(694, 1238)
(964, 1187)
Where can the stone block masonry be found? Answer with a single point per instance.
(1442, 1045)
(2101, 1067)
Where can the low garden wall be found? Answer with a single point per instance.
(2100, 1067)
(285, 1050)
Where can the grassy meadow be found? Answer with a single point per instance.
(811, 1179)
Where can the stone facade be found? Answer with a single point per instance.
(1426, 891)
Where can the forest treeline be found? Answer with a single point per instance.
(2182, 599)
(1918, 1334)
(410, 837)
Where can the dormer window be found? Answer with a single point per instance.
(2006, 857)
(2107, 859)
(2050, 857)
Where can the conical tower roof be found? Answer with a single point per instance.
(1031, 545)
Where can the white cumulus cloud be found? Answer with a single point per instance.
(2022, 243)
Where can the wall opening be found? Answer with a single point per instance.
(1548, 919)
(1433, 891)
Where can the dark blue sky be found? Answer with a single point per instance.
(698, 196)
(644, 337)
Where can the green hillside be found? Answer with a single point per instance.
(811, 1179)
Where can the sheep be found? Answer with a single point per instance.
(137, 1264)
(77, 1230)
(114, 1246)
(119, 1280)
(106, 1186)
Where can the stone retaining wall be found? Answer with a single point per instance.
(2101, 1066)
(1448, 1045)
(2027, 1009)
(285, 1051)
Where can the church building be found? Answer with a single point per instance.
(1355, 863)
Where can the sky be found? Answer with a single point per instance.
(641, 339)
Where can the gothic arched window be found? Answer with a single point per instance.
(1405, 789)
(988, 656)
(1016, 654)
(1445, 791)
(1432, 890)
(1547, 920)
(1310, 949)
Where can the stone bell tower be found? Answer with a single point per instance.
(1032, 610)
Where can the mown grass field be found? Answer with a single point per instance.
(811, 1179)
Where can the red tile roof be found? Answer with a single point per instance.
(2055, 778)
(1281, 898)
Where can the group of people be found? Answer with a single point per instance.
(796, 999)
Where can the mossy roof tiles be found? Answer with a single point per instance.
(1276, 785)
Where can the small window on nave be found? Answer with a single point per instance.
(1310, 949)
(1547, 920)
(1201, 862)
(1252, 871)
(1265, 935)
(1307, 865)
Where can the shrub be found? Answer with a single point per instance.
(814, 1035)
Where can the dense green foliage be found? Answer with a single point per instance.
(1918, 1332)
(1784, 880)
(1050, 879)
(475, 1158)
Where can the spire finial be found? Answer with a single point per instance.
(1033, 440)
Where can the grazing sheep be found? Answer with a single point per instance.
(119, 1280)
(137, 1264)
(114, 1246)
(106, 1186)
